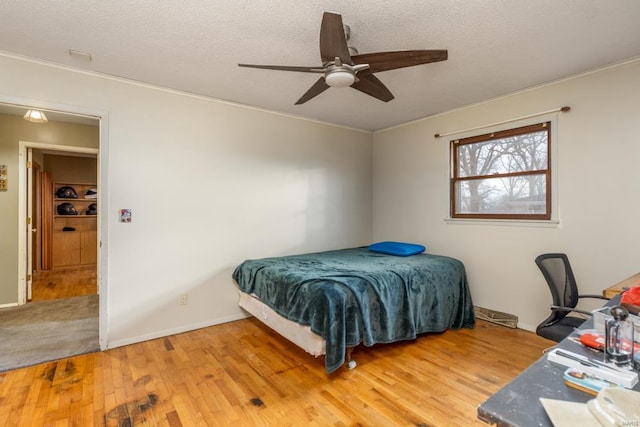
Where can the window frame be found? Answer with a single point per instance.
(523, 129)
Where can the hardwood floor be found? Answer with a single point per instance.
(64, 283)
(242, 373)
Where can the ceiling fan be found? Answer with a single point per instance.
(341, 69)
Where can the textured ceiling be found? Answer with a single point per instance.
(495, 47)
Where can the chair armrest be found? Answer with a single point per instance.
(593, 296)
(577, 310)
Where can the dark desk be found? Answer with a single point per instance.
(518, 403)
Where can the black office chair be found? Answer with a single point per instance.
(557, 272)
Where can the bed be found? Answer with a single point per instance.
(329, 302)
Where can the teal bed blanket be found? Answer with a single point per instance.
(354, 296)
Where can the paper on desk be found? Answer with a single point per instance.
(569, 414)
(614, 408)
(611, 408)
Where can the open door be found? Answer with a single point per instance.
(30, 224)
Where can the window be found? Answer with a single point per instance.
(503, 175)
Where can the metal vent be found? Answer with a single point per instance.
(493, 316)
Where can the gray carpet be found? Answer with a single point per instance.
(48, 330)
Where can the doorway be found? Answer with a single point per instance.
(62, 253)
(18, 139)
(68, 243)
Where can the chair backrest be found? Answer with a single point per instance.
(557, 272)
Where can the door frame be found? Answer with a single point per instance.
(31, 227)
(102, 116)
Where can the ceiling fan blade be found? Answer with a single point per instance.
(371, 85)
(383, 61)
(315, 90)
(285, 68)
(333, 42)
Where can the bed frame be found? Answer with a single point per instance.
(300, 335)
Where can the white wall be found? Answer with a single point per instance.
(210, 184)
(598, 181)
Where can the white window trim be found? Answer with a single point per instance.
(554, 222)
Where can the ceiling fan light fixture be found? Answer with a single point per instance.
(343, 66)
(340, 78)
(36, 116)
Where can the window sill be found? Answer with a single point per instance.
(552, 223)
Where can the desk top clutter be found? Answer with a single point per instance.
(618, 288)
(571, 384)
(631, 300)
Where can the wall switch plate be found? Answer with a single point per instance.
(125, 215)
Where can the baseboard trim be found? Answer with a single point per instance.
(13, 304)
(174, 331)
(527, 327)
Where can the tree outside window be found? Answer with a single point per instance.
(503, 175)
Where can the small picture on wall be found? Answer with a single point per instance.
(3, 177)
(125, 215)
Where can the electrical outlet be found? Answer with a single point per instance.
(183, 299)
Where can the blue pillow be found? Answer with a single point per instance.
(397, 248)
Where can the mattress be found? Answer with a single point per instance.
(302, 336)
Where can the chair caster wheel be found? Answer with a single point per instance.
(351, 364)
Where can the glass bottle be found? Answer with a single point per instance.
(618, 348)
